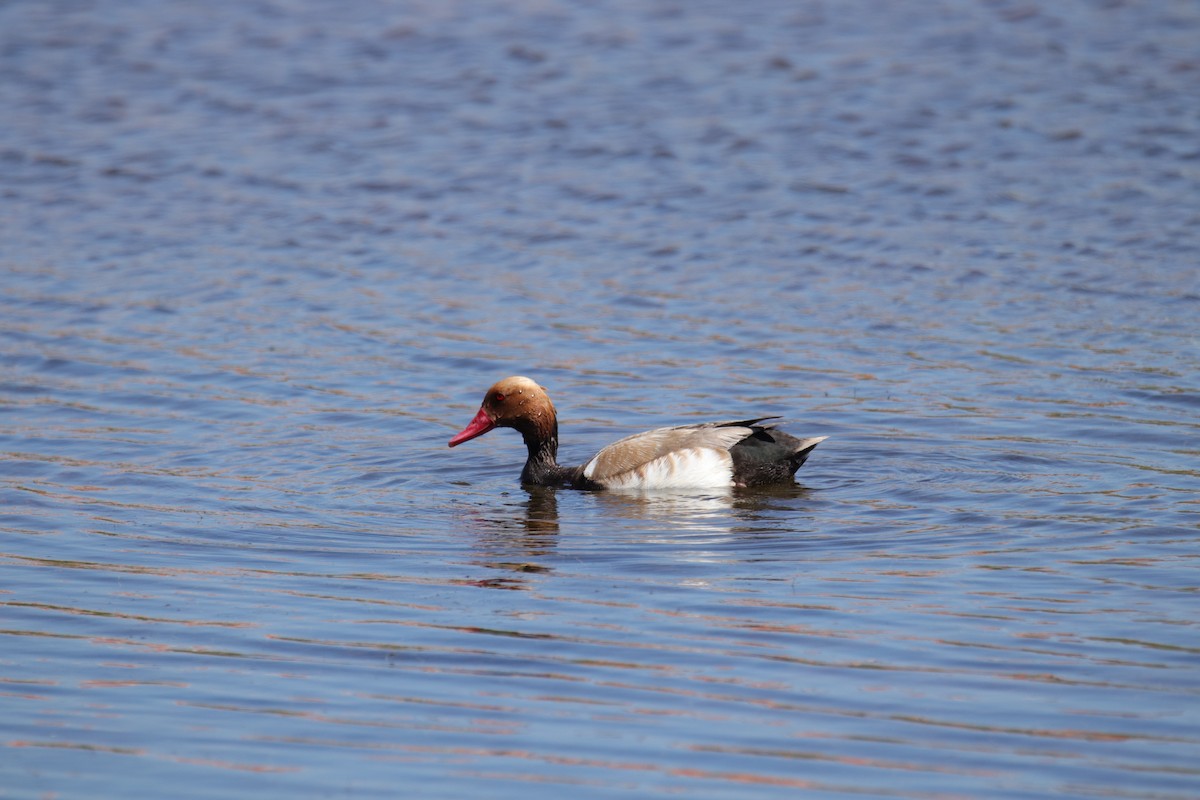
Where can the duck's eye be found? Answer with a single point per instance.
(499, 398)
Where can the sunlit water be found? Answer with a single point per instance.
(261, 260)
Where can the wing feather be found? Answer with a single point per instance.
(632, 452)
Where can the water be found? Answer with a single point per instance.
(261, 260)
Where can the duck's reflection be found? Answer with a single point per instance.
(517, 536)
(706, 511)
(762, 498)
(729, 511)
(541, 510)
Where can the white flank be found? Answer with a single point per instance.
(691, 468)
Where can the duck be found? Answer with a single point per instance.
(708, 455)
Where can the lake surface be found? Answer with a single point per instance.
(260, 261)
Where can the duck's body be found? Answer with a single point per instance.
(708, 455)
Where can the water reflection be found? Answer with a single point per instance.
(514, 537)
(681, 510)
(541, 510)
(533, 525)
(518, 537)
(536, 514)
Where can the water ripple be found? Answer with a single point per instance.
(261, 260)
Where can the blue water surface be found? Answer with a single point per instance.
(261, 260)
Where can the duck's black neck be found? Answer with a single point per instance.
(542, 468)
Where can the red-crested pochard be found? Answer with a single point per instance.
(702, 456)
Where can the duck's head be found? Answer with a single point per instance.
(515, 402)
